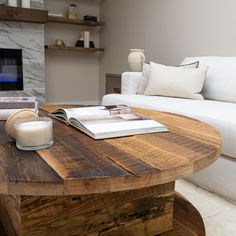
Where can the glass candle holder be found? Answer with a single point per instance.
(34, 134)
(72, 11)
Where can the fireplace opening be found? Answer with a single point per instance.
(11, 71)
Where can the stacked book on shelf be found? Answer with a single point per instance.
(9, 105)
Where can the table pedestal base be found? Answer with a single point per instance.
(143, 212)
(187, 219)
(147, 211)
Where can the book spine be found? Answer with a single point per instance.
(16, 105)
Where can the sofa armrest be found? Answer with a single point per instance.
(130, 82)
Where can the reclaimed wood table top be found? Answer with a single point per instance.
(77, 164)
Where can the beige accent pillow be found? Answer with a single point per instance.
(176, 81)
(147, 71)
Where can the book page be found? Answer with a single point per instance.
(117, 125)
(100, 120)
(96, 111)
(122, 128)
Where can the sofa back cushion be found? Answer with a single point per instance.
(130, 82)
(220, 82)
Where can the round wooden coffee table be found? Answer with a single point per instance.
(120, 186)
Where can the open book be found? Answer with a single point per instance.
(101, 122)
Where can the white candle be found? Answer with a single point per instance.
(34, 133)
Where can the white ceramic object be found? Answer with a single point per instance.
(86, 35)
(25, 3)
(136, 58)
(12, 3)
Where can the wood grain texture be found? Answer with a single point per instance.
(187, 220)
(10, 214)
(75, 49)
(63, 20)
(147, 211)
(77, 164)
(19, 168)
(23, 15)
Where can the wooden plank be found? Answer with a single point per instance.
(187, 220)
(10, 217)
(22, 171)
(63, 20)
(186, 126)
(73, 162)
(176, 154)
(80, 161)
(147, 211)
(165, 150)
(77, 164)
(154, 155)
(193, 222)
(25, 166)
(23, 15)
(78, 49)
(92, 151)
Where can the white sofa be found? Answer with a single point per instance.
(218, 110)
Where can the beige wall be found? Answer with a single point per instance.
(168, 30)
(71, 77)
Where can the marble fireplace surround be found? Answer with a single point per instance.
(30, 38)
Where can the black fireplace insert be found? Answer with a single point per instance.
(11, 70)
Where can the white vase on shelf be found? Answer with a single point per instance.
(136, 58)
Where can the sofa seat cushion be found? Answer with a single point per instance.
(218, 178)
(220, 115)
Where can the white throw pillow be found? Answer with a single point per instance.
(173, 81)
(147, 71)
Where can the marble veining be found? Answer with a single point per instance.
(30, 38)
(30, 42)
(35, 4)
(33, 71)
(21, 25)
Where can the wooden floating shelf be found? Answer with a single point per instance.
(52, 47)
(63, 20)
(23, 15)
